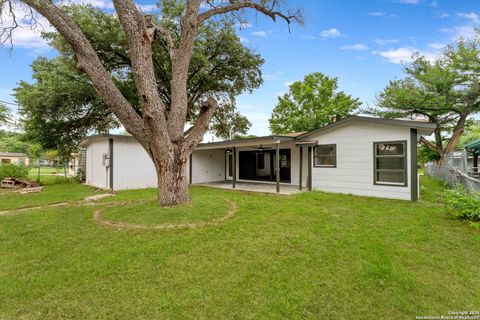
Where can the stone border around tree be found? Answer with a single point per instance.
(98, 217)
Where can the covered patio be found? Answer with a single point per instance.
(272, 164)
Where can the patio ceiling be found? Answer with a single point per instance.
(247, 142)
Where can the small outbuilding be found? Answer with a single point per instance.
(14, 158)
(357, 155)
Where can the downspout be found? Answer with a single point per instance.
(110, 167)
(413, 165)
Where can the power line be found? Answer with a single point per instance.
(10, 103)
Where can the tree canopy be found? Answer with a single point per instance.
(445, 92)
(62, 106)
(310, 104)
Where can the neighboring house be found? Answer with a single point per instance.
(358, 155)
(14, 157)
(76, 163)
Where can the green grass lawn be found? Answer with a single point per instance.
(33, 172)
(308, 256)
(55, 190)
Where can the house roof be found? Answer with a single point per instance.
(424, 128)
(13, 154)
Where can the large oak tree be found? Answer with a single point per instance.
(61, 106)
(159, 128)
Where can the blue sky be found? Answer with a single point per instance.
(362, 42)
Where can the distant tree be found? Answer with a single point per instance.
(61, 107)
(18, 142)
(445, 92)
(229, 123)
(4, 114)
(310, 104)
(471, 133)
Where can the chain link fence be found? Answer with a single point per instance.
(456, 170)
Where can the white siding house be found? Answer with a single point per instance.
(358, 155)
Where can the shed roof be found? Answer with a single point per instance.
(13, 154)
(473, 146)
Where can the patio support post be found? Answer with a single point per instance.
(475, 161)
(190, 166)
(234, 176)
(277, 165)
(301, 173)
(309, 178)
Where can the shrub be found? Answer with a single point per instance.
(10, 170)
(463, 205)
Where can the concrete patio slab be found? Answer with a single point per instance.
(260, 187)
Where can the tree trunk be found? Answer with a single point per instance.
(172, 181)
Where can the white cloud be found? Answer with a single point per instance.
(386, 41)
(147, 7)
(261, 34)
(244, 40)
(288, 83)
(465, 32)
(404, 54)
(243, 25)
(101, 4)
(443, 15)
(437, 45)
(377, 14)
(25, 36)
(331, 33)
(357, 47)
(434, 4)
(473, 17)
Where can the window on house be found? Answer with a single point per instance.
(325, 155)
(390, 163)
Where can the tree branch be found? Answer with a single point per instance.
(239, 5)
(430, 145)
(195, 134)
(137, 30)
(91, 65)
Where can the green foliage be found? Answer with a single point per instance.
(444, 92)
(18, 142)
(61, 106)
(310, 104)
(471, 133)
(10, 170)
(462, 204)
(427, 154)
(4, 114)
(229, 123)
